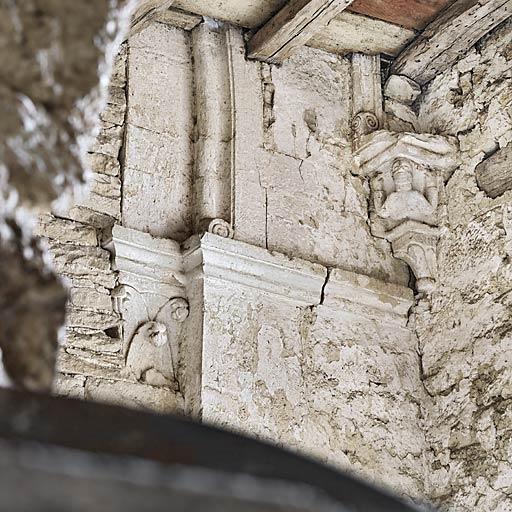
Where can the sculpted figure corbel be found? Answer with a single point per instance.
(405, 202)
(151, 356)
(408, 217)
(406, 173)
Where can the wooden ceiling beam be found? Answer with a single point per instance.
(449, 37)
(292, 27)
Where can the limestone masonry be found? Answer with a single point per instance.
(316, 253)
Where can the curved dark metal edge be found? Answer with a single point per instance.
(105, 429)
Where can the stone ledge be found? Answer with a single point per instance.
(344, 286)
(291, 279)
(294, 279)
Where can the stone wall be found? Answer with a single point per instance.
(316, 360)
(466, 338)
(294, 191)
(91, 361)
(288, 319)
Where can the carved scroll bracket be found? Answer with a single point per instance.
(407, 172)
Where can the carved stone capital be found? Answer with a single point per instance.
(150, 300)
(407, 172)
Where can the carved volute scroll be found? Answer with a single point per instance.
(221, 228)
(407, 173)
(364, 123)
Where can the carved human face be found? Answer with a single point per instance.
(402, 175)
(157, 333)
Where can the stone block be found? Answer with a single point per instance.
(88, 262)
(115, 110)
(90, 298)
(109, 140)
(161, 77)
(89, 364)
(103, 164)
(95, 341)
(104, 195)
(402, 89)
(494, 174)
(118, 76)
(85, 215)
(69, 386)
(65, 231)
(89, 319)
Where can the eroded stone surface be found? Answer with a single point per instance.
(297, 195)
(465, 338)
(311, 353)
(325, 378)
(402, 89)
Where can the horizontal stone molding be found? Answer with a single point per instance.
(367, 292)
(155, 260)
(294, 280)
